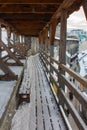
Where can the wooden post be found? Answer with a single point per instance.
(13, 42)
(63, 31)
(8, 35)
(0, 38)
(85, 8)
(0, 31)
(40, 40)
(52, 36)
(21, 38)
(46, 38)
(62, 47)
(13, 38)
(17, 37)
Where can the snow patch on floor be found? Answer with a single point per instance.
(20, 120)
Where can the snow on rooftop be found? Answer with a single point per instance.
(83, 63)
(68, 38)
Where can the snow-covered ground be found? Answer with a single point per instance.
(6, 88)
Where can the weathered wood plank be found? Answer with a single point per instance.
(51, 115)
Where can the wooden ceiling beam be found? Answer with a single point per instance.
(44, 11)
(65, 5)
(29, 33)
(30, 2)
(28, 22)
(25, 12)
(28, 9)
(26, 17)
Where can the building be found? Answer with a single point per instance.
(79, 33)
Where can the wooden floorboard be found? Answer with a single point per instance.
(44, 114)
(43, 111)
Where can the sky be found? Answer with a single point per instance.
(77, 20)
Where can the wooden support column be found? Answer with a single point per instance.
(17, 38)
(14, 41)
(52, 36)
(40, 40)
(63, 31)
(14, 37)
(0, 38)
(85, 7)
(21, 39)
(43, 40)
(8, 35)
(0, 52)
(62, 47)
(46, 38)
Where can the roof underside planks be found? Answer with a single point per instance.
(29, 17)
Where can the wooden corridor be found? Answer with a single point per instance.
(43, 112)
(32, 24)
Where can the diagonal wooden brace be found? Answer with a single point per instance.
(9, 75)
(10, 53)
(18, 50)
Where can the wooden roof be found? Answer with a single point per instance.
(29, 17)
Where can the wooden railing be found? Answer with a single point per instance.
(61, 81)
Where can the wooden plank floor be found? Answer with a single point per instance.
(44, 112)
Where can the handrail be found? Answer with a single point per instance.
(71, 86)
(48, 60)
(75, 75)
(69, 71)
